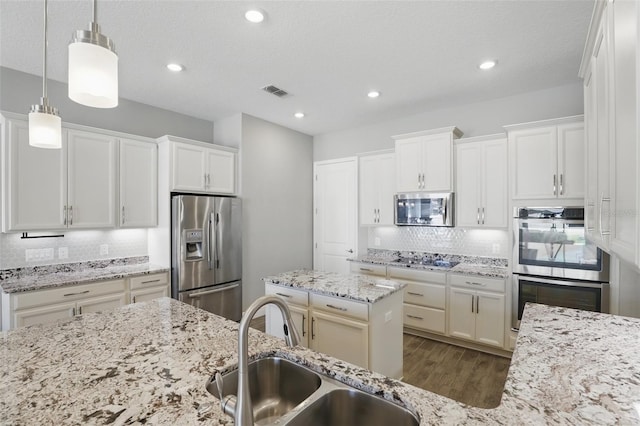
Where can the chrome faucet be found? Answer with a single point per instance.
(240, 407)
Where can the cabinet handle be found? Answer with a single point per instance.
(70, 215)
(313, 328)
(303, 320)
(472, 300)
(477, 304)
(151, 281)
(475, 283)
(123, 215)
(415, 294)
(483, 215)
(414, 317)
(73, 312)
(64, 213)
(602, 200)
(561, 184)
(283, 295)
(423, 181)
(79, 310)
(419, 181)
(134, 299)
(350, 251)
(554, 185)
(336, 307)
(478, 216)
(75, 294)
(366, 269)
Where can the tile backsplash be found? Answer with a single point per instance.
(75, 246)
(469, 242)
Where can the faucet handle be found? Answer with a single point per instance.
(227, 403)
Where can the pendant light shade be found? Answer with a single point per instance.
(45, 125)
(93, 68)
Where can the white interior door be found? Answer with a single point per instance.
(335, 214)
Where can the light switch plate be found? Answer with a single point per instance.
(63, 252)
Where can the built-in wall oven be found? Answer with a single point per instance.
(554, 263)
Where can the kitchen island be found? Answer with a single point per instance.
(150, 362)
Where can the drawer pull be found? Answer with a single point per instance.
(366, 269)
(414, 317)
(337, 307)
(75, 294)
(415, 294)
(283, 295)
(475, 283)
(151, 281)
(303, 328)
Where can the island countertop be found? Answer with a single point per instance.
(362, 288)
(149, 363)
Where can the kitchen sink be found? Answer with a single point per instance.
(276, 386)
(353, 407)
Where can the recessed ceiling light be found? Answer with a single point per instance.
(175, 67)
(487, 65)
(373, 94)
(299, 115)
(256, 16)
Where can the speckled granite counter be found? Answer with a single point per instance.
(350, 286)
(149, 363)
(66, 274)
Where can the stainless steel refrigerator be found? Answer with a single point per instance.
(206, 253)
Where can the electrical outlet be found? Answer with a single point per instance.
(388, 316)
(376, 241)
(495, 248)
(104, 249)
(38, 255)
(63, 252)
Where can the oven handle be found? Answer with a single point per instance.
(592, 284)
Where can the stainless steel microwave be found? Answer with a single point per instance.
(421, 209)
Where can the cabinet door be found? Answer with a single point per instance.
(437, 151)
(571, 160)
(91, 180)
(300, 317)
(386, 184)
(591, 136)
(102, 303)
(534, 163)
(490, 319)
(36, 181)
(494, 210)
(44, 314)
(221, 172)
(468, 202)
(462, 318)
(188, 171)
(138, 184)
(368, 190)
(144, 295)
(341, 338)
(409, 164)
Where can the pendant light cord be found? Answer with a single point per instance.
(44, 62)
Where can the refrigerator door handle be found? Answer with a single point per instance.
(216, 256)
(209, 242)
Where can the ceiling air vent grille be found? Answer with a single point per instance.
(275, 91)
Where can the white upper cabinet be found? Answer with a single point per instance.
(201, 167)
(91, 196)
(424, 160)
(35, 181)
(481, 182)
(377, 188)
(547, 159)
(138, 184)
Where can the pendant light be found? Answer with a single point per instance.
(93, 67)
(45, 126)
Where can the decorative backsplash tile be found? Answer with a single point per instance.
(460, 241)
(80, 246)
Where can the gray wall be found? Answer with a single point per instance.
(476, 119)
(18, 91)
(276, 174)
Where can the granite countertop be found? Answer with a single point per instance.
(362, 288)
(149, 363)
(468, 265)
(67, 274)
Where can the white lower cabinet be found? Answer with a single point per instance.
(340, 337)
(477, 315)
(148, 287)
(43, 314)
(297, 301)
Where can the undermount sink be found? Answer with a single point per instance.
(353, 407)
(276, 386)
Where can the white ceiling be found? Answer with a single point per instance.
(327, 54)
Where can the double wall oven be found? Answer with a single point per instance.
(554, 263)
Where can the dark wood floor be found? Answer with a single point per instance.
(472, 377)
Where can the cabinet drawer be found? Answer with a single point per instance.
(368, 269)
(432, 295)
(424, 318)
(418, 275)
(297, 297)
(147, 281)
(69, 293)
(478, 283)
(340, 306)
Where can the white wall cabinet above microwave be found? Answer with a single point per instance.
(424, 160)
(201, 167)
(75, 187)
(547, 159)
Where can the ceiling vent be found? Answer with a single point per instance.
(275, 91)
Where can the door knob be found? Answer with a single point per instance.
(349, 251)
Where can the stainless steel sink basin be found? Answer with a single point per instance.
(276, 386)
(352, 407)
